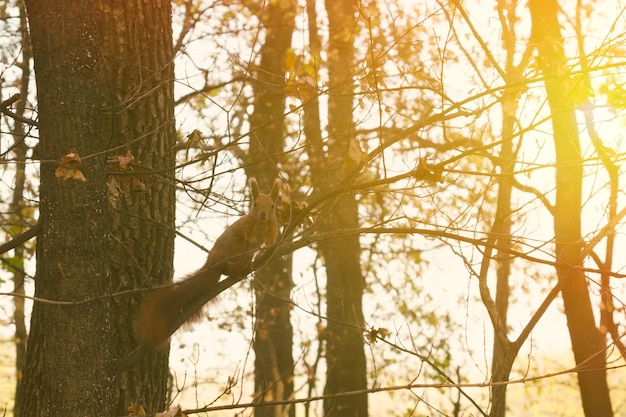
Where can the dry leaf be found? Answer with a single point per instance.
(78, 175)
(122, 162)
(70, 158)
(62, 172)
(125, 160)
(68, 169)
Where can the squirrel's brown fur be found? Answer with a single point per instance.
(164, 310)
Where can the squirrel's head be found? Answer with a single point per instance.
(263, 204)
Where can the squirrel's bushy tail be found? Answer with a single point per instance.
(164, 310)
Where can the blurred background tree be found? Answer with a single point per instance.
(422, 235)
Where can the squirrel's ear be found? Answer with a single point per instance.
(276, 188)
(254, 188)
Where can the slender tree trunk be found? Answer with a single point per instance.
(504, 353)
(18, 205)
(138, 84)
(503, 356)
(311, 107)
(273, 337)
(311, 126)
(69, 367)
(345, 357)
(587, 342)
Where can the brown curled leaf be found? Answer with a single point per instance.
(68, 168)
(70, 158)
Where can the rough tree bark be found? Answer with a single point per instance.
(587, 342)
(69, 367)
(273, 337)
(138, 82)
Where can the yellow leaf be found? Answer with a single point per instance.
(290, 59)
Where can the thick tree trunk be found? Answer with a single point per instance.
(345, 357)
(138, 84)
(69, 367)
(587, 342)
(273, 338)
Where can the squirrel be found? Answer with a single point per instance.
(165, 309)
